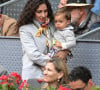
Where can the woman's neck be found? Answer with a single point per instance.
(53, 84)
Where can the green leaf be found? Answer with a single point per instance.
(0, 86)
(12, 88)
(51, 88)
(96, 88)
(4, 87)
(36, 88)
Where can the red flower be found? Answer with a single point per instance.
(40, 80)
(63, 88)
(13, 80)
(23, 84)
(19, 77)
(14, 74)
(4, 83)
(11, 84)
(3, 77)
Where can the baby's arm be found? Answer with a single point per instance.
(70, 40)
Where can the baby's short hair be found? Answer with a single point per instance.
(64, 11)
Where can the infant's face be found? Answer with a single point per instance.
(60, 21)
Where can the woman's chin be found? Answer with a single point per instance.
(46, 80)
(42, 21)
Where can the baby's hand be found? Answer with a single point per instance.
(47, 43)
(58, 44)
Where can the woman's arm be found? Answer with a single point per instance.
(30, 47)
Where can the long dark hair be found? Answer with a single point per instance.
(29, 10)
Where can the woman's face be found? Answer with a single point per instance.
(41, 13)
(50, 74)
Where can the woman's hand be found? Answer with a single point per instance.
(62, 54)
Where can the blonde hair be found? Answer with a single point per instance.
(64, 11)
(60, 65)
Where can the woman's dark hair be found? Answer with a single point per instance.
(29, 10)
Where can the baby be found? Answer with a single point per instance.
(64, 37)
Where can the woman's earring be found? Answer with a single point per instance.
(58, 80)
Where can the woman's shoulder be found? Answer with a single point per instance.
(28, 27)
(60, 87)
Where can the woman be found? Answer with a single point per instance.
(34, 47)
(55, 73)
